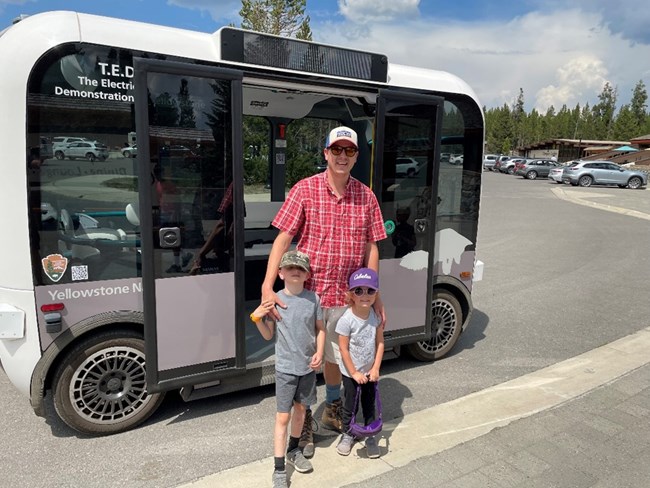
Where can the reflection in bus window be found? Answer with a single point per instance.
(84, 183)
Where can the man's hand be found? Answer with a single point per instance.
(269, 296)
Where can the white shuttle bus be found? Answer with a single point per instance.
(128, 273)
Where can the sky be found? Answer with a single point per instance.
(558, 51)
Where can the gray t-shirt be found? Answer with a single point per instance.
(295, 337)
(362, 333)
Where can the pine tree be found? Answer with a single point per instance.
(639, 108)
(279, 17)
(186, 106)
(604, 112)
(625, 125)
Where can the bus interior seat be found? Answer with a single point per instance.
(133, 213)
(73, 232)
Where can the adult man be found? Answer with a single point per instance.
(339, 223)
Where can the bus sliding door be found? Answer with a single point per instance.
(188, 121)
(406, 155)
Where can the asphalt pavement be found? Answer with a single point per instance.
(579, 423)
(582, 422)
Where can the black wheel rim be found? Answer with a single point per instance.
(110, 386)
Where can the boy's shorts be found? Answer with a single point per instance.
(331, 317)
(291, 388)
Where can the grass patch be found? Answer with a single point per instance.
(129, 183)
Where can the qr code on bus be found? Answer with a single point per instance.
(79, 273)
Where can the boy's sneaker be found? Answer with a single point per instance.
(372, 448)
(298, 461)
(280, 479)
(344, 446)
(332, 416)
(306, 443)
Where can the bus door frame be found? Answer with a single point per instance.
(386, 96)
(185, 376)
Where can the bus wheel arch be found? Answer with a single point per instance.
(450, 314)
(99, 385)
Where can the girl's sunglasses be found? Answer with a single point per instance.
(337, 150)
(359, 291)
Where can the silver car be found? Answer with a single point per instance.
(88, 150)
(587, 173)
(536, 168)
(489, 160)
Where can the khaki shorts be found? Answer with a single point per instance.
(331, 317)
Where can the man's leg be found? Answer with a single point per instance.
(331, 415)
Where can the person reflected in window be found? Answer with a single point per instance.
(220, 240)
(170, 213)
(404, 235)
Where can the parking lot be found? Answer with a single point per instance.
(561, 278)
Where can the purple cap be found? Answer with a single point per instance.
(364, 277)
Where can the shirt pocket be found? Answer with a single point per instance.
(356, 220)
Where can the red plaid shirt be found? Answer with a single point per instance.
(333, 232)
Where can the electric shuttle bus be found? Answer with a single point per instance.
(142, 167)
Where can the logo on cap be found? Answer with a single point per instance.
(364, 277)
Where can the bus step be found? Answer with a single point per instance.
(197, 392)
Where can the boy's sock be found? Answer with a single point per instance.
(293, 443)
(332, 393)
(279, 463)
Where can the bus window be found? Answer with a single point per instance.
(84, 183)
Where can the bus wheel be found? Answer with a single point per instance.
(446, 323)
(100, 386)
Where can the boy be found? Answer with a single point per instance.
(299, 346)
(361, 342)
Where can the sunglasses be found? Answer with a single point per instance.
(337, 150)
(359, 291)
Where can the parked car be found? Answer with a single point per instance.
(59, 143)
(88, 150)
(406, 166)
(555, 175)
(536, 168)
(509, 165)
(587, 173)
(489, 160)
(500, 160)
(176, 151)
(130, 152)
(519, 164)
(456, 159)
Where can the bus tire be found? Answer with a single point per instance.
(446, 325)
(100, 386)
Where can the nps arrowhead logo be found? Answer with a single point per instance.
(54, 266)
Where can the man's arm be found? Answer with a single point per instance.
(371, 260)
(280, 246)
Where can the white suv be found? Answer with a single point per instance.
(60, 143)
(90, 150)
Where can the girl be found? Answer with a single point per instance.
(361, 343)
